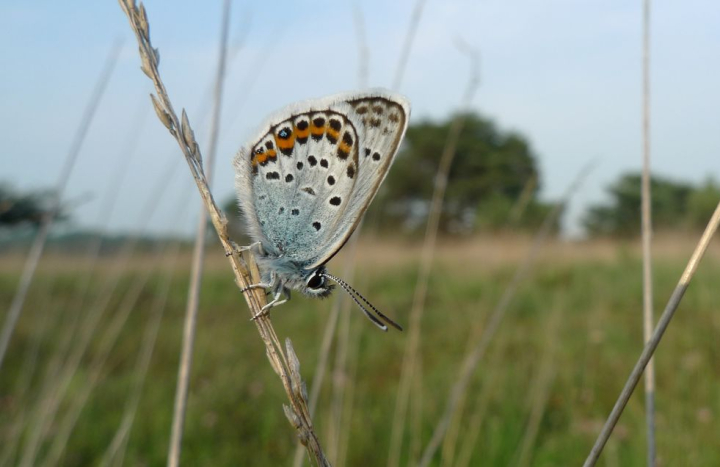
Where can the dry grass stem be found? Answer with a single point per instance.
(407, 45)
(473, 358)
(38, 245)
(193, 302)
(243, 266)
(646, 241)
(652, 344)
(410, 356)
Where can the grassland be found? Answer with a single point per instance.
(570, 338)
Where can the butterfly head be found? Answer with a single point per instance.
(316, 284)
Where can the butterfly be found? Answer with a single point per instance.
(305, 181)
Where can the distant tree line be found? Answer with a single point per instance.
(675, 206)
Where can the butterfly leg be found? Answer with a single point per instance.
(276, 301)
(261, 285)
(239, 249)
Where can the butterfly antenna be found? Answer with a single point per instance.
(355, 294)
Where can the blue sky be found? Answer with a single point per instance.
(566, 74)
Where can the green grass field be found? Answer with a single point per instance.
(570, 338)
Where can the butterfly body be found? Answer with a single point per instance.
(305, 181)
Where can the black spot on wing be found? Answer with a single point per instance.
(299, 165)
(316, 225)
(335, 201)
(312, 160)
(376, 156)
(351, 171)
(289, 178)
(295, 212)
(324, 163)
(342, 154)
(309, 190)
(331, 180)
(272, 176)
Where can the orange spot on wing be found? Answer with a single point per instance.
(317, 131)
(333, 134)
(344, 147)
(263, 157)
(302, 133)
(285, 143)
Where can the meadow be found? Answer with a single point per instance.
(570, 337)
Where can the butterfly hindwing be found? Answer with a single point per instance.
(302, 173)
(381, 119)
(307, 179)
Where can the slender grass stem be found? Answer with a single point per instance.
(647, 241)
(193, 302)
(652, 344)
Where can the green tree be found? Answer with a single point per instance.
(18, 209)
(675, 206)
(490, 172)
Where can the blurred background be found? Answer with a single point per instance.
(539, 108)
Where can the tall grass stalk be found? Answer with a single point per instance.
(647, 241)
(473, 358)
(654, 340)
(38, 245)
(410, 356)
(285, 363)
(118, 445)
(193, 302)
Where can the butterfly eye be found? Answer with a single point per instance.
(316, 281)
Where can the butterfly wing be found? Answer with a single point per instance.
(304, 182)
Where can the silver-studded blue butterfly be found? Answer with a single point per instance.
(305, 181)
